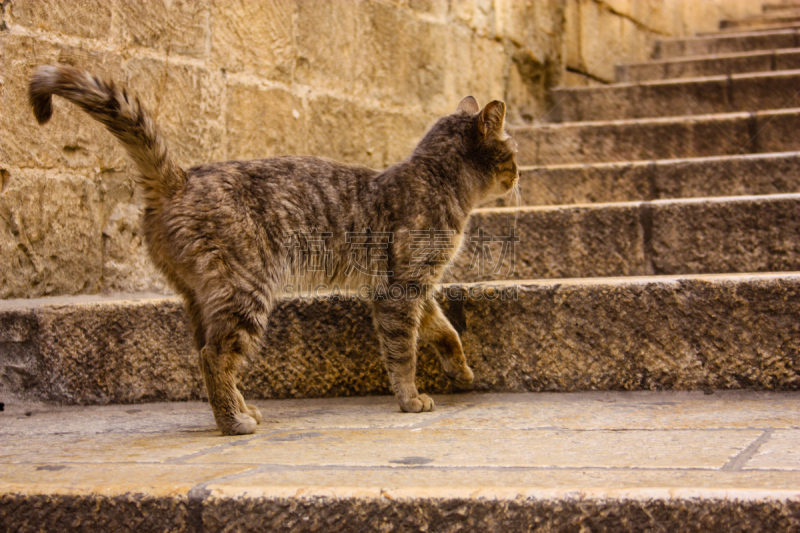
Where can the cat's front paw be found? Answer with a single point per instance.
(462, 378)
(419, 404)
(255, 413)
(239, 424)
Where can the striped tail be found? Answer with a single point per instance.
(122, 115)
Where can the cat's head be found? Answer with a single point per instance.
(490, 147)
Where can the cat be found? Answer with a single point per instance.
(218, 232)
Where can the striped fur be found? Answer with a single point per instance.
(219, 231)
(121, 114)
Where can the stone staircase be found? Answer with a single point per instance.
(658, 249)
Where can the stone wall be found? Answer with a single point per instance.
(356, 80)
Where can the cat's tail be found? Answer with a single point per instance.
(121, 114)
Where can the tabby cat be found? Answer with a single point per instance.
(219, 231)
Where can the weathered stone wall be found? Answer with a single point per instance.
(356, 80)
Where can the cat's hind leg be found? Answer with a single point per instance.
(436, 330)
(218, 361)
(195, 320)
(229, 337)
(396, 323)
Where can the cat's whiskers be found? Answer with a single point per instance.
(516, 195)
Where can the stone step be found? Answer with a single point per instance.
(754, 29)
(497, 463)
(715, 65)
(726, 43)
(781, 6)
(767, 20)
(659, 138)
(662, 98)
(751, 174)
(660, 332)
(688, 236)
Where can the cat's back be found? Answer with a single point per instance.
(282, 171)
(293, 190)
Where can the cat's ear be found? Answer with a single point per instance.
(492, 119)
(468, 105)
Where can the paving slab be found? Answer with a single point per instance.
(659, 332)
(744, 175)
(726, 43)
(637, 410)
(499, 448)
(658, 138)
(480, 462)
(681, 97)
(714, 65)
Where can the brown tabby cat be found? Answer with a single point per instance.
(218, 231)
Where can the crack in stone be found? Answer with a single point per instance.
(738, 462)
(3, 11)
(220, 447)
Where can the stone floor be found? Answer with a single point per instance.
(729, 443)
